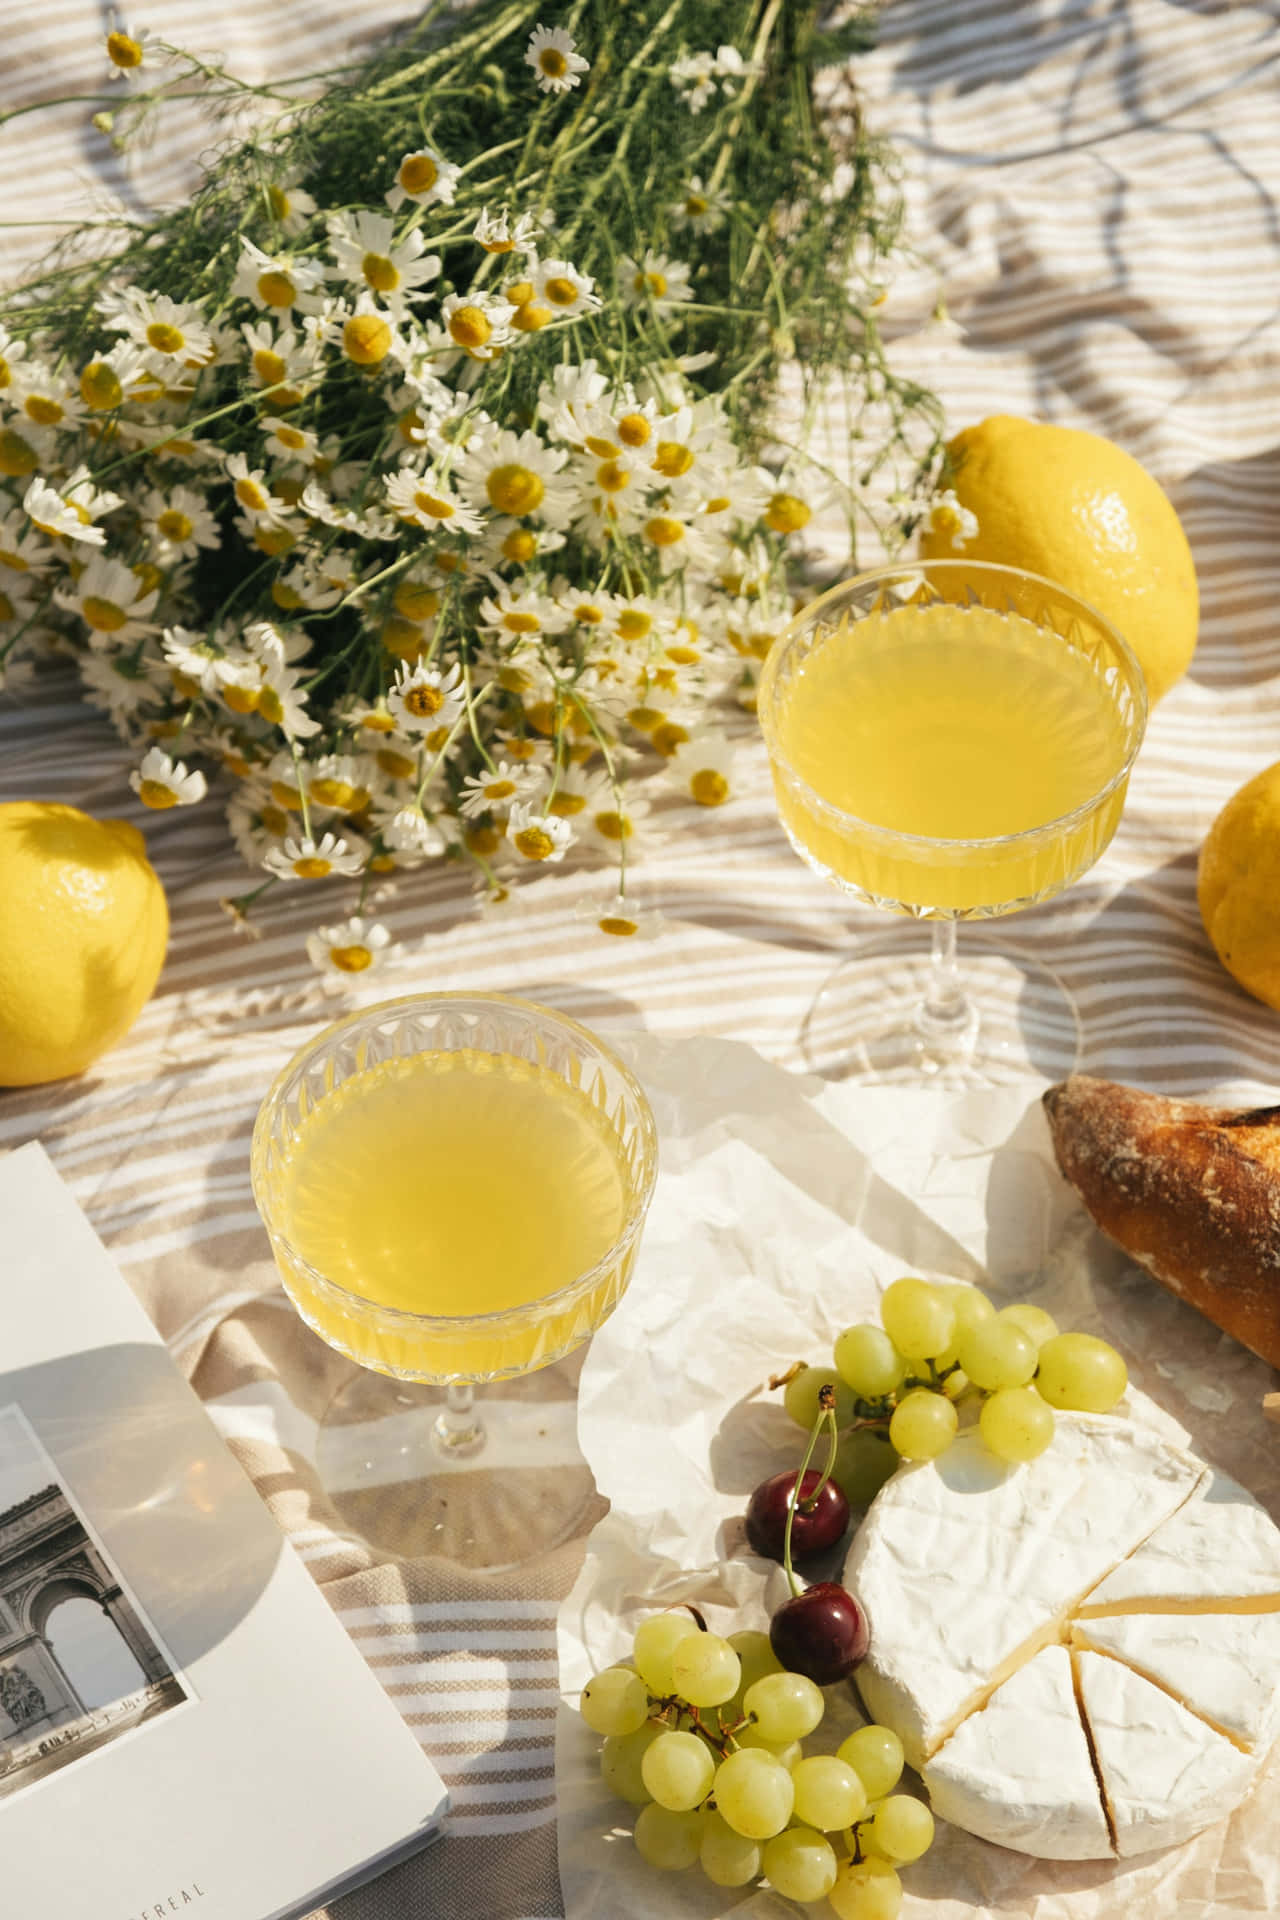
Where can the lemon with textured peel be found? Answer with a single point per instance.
(84, 925)
(1239, 885)
(1077, 509)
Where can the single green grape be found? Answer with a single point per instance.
(667, 1839)
(1016, 1424)
(829, 1792)
(997, 1354)
(705, 1670)
(751, 1740)
(869, 1890)
(620, 1763)
(615, 1701)
(919, 1319)
(956, 1384)
(970, 1306)
(800, 1864)
(800, 1396)
(678, 1770)
(1082, 1373)
(864, 1461)
(756, 1657)
(902, 1828)
(754, 1794)
(786, 1706)
(1038, 1325)
(875, 1754)
(868, 1362)
(923, 1424)
(727, 1858)
(655, 1644)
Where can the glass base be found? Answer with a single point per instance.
(416, 1477)
(1019, 1022)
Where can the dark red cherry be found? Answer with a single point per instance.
(821, 1633)
(812, 1531)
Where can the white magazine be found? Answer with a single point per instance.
(184, 1725)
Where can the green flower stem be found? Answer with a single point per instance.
(826, 1419)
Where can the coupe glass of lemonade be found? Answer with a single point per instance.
(454, 1187)
(949, 741)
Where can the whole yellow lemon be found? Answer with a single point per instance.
(85, 927)
(1078, 510)
(1239, 885)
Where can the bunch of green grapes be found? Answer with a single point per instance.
(703, 1736)
(899, 1383)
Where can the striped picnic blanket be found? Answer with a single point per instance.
(1096, 187)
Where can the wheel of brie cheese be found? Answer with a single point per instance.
(1080, 1655)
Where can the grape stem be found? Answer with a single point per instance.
(826, 1420)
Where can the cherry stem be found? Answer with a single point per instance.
(826, 1418)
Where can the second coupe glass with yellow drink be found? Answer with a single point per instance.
(949, 741)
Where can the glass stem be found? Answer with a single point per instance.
(946, 1018)
(457, 1425)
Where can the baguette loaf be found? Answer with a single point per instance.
(1192, 1193)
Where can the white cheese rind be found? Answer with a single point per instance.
(961, 1561)
(1221, 1545)
(1224, 1666)
(1019, 1773)
(1166, 1774)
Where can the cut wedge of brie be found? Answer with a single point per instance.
(1018, 1614)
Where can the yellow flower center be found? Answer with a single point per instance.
(721, 504)
(351, 959)
(603, 449)
(786, 513)
(423, 702)
(634, 623)
(482, 840)
(652, 283)
(497, 245)
(402, 638)
(672, 459)
(683, 656)
(252, 497)
(450, 563)
(366, 339)
(14, 560)
(535, 843)
(173, 524)
(499, 789)
(124, 51)
(663, 531)
(381, 272)
(634, 430)
(520, 292)
(291, 437)
(165, 338)
(644, 719)
(270, 706)
(514, 679)
(668, 737)
(99, 387)
(560, 291)
(553, 63)
(512, 489)
(276, 289)
(378, 722)
(470, 327)
(519, 546)
(154, 793)
(617, 924)
(611, 825)
(273, 541)
(240, 699)
(312, 867)
(530, 317)
(270, 367)
(185, 686)
(541, 716)
(382, 863)
(588, 614)
(433, 506)
(331, 791)
(399, 765)
(286, 797)
(6, 371)
(418, 173)
(709, 788)
(104, 616)
(695, 205)
(612, 478)
(7, 609)
(515, 622)
(288, 599)
(415, 601)
(565, 805)
(278, 203)
(45, 411)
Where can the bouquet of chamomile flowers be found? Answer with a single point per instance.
(418, 484)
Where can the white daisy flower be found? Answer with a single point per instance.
(42, 398)
(276, 282)
(287, 442)
(497, 788)
(342, 954)
(161, 782)
(693, 76)
(555, 59)
(675, 539)
(657, 281)
(522, 613)
(700, 208)
(564, 289)
(280, 700)
(112, 602)
(702, 769)
(289, 205)
(427, 501)
(424, 699)
(126, 51)
(279, 356)
(619, 916)
(425, 178)
(538, 836)
(410, 832)
(339, 782)
(518, 475)
(478, 322)
(308, 859)
(253, 494)
(498, 233)
(171, 334)
(947, 516)
(362, 244)
(23, 550)
(178, 524)
(53, 513)
(308, 585)
(118, 683)
(109, 379)
(610, 816)
(571, 400)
